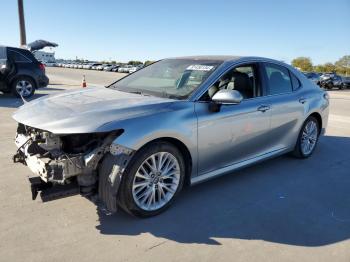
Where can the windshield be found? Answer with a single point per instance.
(171, 78)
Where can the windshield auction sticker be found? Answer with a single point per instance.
(200, 67)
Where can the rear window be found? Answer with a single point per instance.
(295, 82)
(18, 57)
(278, 79)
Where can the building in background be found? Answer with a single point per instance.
(45, 57)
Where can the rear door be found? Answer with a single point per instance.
(287, 104)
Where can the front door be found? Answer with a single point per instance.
(236, 132)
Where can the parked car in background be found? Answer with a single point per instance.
(115, 68)
(94, 66)
(109, 68)
(135, 68)
(20, 72)
(106, 66)
(331, 80)
(175, 122)
(345, 81)
(124, 69)
(314, 77)
(100, 67)
(86, 66)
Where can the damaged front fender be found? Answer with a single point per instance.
(111, 172)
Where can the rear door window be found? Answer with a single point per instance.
(278, 79)
(18, 58)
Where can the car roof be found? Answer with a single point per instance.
(229, 58)
(209, 57)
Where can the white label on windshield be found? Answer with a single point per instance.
(200, 67)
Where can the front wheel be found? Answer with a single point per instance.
(329, 86)
(308, 138)
(153, 180)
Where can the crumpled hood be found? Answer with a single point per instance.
(86, 110)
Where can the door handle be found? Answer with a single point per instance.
(263, 108)
(302, 100)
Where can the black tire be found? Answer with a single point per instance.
(298, 152)
(27, 80)
(330, 86)
(125, 197)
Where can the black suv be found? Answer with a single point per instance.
(20, 72)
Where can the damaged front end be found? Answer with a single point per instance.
(63, 164)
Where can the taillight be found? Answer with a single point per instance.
(42, 67)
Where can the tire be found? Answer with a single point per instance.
(24, 83)
(299, 149)
(128, 197)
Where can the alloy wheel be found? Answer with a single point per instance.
(24, 88)
(156, 181)
(309, 137)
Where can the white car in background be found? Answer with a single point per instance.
(135, 68)
(101, 66)
(124, 69)
(94, 66)
(108, 68)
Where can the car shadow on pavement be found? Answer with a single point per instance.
(283, 200)
(9, 101)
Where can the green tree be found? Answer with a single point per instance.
(329, 67)
(303, 63)
(342, 66)
(343, 61)
(134, 62)
(319, 68)
(148, 62)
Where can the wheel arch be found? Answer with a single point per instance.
(319, 120)
(23, 75)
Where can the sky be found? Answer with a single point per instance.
(124, 30)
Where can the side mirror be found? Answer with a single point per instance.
(227, 97)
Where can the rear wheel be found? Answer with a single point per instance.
(153, 180)
(307, 139)
(23, 86)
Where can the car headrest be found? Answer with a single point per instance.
(240, 81)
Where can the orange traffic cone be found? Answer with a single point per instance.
(83, 83)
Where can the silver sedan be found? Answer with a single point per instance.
(177, 122)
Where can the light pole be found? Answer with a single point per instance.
(22, 27)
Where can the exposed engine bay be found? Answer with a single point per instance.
(62, 159)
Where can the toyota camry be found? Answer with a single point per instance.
(180, 121)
